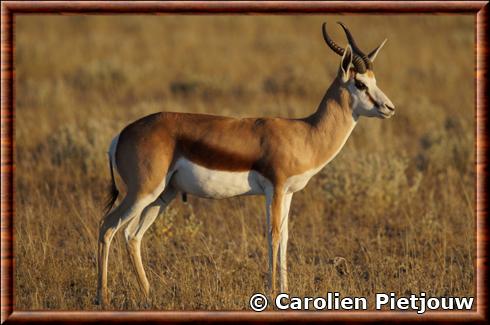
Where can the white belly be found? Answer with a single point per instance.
(194, 179)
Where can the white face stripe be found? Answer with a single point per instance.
(370, 101)
(369, 81)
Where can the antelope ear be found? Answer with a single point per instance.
(346, 63)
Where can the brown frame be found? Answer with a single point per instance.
(11, 8)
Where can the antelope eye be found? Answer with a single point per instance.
(360, 85)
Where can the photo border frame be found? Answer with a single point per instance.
(10, 9)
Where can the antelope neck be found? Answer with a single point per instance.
(332, 123)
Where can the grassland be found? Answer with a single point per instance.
(397, 203)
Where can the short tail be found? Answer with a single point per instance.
(112, 197)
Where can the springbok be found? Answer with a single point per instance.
(209, 156)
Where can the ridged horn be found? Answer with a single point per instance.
(337, 49)
(357, 61)
(357, 50)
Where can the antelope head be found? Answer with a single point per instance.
(357, 76)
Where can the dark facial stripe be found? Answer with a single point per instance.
(371, 74)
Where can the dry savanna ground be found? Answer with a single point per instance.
(396, 205)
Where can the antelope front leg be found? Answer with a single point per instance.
(274, 202)
(283, 244)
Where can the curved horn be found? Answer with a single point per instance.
(372, 55)
(357, 61)
(356, 48)
(337, 49)
(351, 40)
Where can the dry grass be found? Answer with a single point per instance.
(397, 203)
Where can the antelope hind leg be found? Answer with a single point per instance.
(137, 228)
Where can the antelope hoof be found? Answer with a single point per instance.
(146, 290)
(98, 298)
(103, 300)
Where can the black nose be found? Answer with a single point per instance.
(391, 108)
